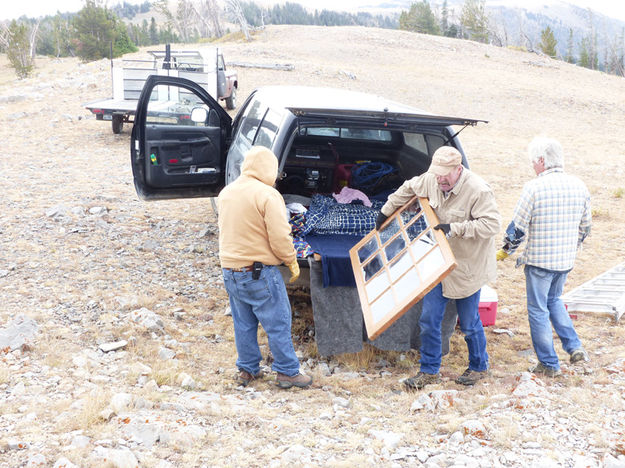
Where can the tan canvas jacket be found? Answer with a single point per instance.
(472, 213)
(253, 226)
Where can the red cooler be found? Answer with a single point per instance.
(488, 305)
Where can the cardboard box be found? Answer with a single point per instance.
(488, 306)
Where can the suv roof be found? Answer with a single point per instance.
(307, 100)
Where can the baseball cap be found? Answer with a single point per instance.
(444, 160)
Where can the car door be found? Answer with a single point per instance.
(179, 140)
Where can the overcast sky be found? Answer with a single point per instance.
(35, 8)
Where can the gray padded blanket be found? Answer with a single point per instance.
(340, 328)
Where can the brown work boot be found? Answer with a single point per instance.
(541, 369)
(579, 355)
(300, 380)
(470, 377)
(244, 377)
(421, 380)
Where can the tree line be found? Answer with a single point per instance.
(476, 24)
(97, 32)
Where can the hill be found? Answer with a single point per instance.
(90, 264)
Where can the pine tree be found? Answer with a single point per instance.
(420, 18)
(97, 31)
(569, 48)
(18, 49)
(94, 32)
(474, 20)
(445, 18)
(548, 42)
(153, 32)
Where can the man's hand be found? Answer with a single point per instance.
(501, 254)
(380, 220)
(294, 269)
(446, 228)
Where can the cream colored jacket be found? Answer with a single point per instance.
(472, 213)
(252, 217)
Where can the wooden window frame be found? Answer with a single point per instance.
(439, 253)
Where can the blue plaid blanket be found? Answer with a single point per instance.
(326, 216)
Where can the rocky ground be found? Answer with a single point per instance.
(115, 347)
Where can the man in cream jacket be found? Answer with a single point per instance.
(465, 206)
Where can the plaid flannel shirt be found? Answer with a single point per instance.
(553, 215)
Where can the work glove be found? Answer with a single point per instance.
(446, 228)
(501, 254)
(380, 220)
(294, 269)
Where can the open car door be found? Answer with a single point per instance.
(179, 140)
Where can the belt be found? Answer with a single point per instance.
(245, 268)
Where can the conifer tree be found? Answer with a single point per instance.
(474, 20)
(548, 42)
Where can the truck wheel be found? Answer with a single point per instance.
(231, 101)
(118, 124)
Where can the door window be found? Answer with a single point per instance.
(172, 105)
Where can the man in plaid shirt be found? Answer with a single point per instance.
(553, 216)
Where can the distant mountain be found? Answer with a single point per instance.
(517, 22)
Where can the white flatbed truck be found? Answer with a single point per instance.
(204, 66)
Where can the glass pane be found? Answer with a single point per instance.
(268, 129)
(394, 248)
(406, 286)
(376, 286)
(372, 267)
(420, 248)
(411, 212)
(431, 263)
(400, 266)
(389, 231)
(172, 105)
(367, 250)
(416, 228)
(382, 306)
(428, 237)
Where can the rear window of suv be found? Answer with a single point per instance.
(348, 133)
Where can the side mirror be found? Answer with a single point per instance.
(199, 115)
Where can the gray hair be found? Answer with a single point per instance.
(548, 149)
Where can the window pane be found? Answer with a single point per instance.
(407, 285)
(376, 286)
(389, 231)
(416, 141)
(415, 229)
(382, 306)
(394, 248)
(172, 105)
(367, 250)
(372, 267)
(401, 266)
(268, 129)
(420, 248)
(431, 263)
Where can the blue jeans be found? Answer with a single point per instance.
(434, 304)
(544, 288)
(264, 300)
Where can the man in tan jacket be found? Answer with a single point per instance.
(466, 208)
(254, 238)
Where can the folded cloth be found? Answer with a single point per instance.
(348, 195)
(295, 208)
(335, 261)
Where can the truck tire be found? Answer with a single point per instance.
(231, 101)
(118, 123)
